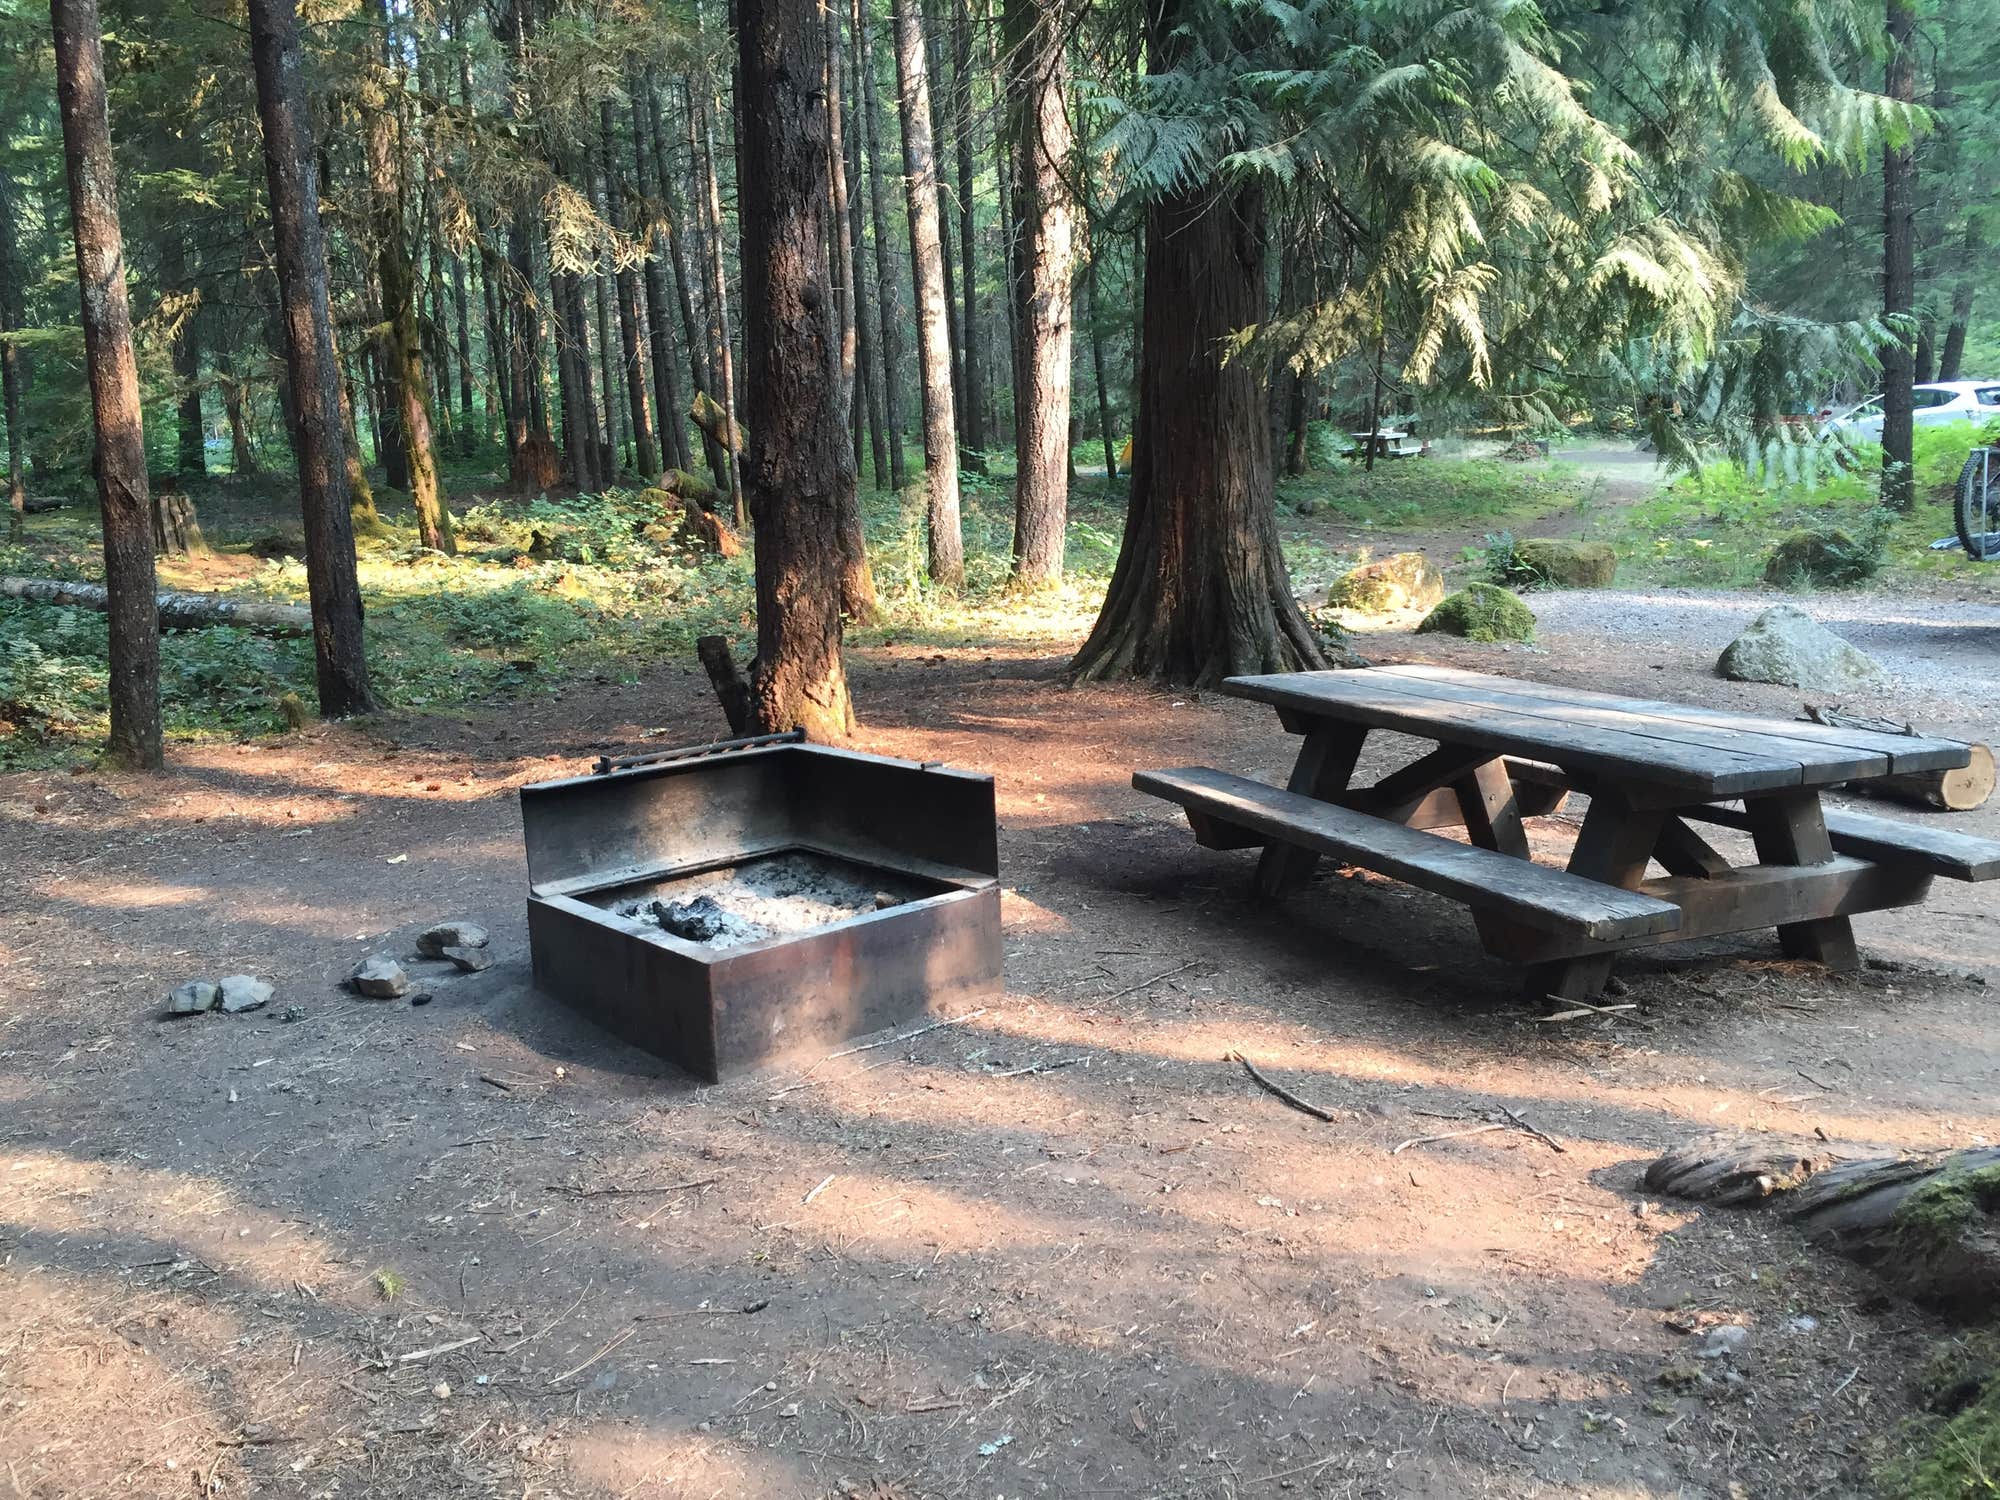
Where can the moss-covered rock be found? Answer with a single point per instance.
(1822, 555)
(1481, 612)
(1565, 564)
(1405, 580)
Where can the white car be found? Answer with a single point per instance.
(1945, 401)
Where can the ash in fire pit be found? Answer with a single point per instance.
(765, 898)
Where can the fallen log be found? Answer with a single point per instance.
(1958, 790)
(1927, 1223)
(713, 420)
(177, 611)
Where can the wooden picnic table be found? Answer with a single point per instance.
(1509, 750)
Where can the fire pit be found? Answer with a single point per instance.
(726, 904)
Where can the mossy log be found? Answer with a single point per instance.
(712, 419)
(1928, 1224)
(177, 611)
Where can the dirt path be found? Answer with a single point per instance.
(478, 1248)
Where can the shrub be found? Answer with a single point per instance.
(1481, 612)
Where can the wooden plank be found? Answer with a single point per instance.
(1404, 788)
(1536, 897)
(1956, 856)
(1905, 752)
(1324, 767)
(1372, 698)
(1614, 846)
(1788, 830)
(1492, 816)
(1819, 764)
(1682, 851)
(1744, 900)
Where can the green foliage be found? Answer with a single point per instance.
(1953, 1451)
(1423, 492)
(1829, 556)
(1481, 612)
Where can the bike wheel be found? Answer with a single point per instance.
(1976, 506)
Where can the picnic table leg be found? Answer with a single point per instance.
(1323, 769)
(1790, 829)
(1492, 815)
(1614, 846)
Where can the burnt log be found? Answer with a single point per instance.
(1926, 1223)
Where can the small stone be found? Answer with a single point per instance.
(1723, 1341)
(292, 1013)
(379, 978)
(468, 960)
(192, 998)
(442, 1390)
(242, 992)
(883, 901)
(433, 941)
(422, 997)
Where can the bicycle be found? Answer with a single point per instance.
(1975, 507)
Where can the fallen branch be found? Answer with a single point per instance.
(1147, 983)
(1304, 1105)
(1516, 1116)
(1580, 1008)
(1040, 1067)
(906, 1036)
(1449, 1135)
(177, 611)
(624, 1192)
(437, 1349)
(615, 1340)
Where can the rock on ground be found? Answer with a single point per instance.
(1787, 646)
(192, 998)
(1568, 564)
(433, 941)
(1481, 612)
(240, 992)
(468, 960)
(1406, 580)
(1823, 555)
(379, 978)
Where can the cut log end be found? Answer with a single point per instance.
(1958, 790)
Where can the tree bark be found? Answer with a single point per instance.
(972, 415)
(947, 545)
(1038, 124)
(666, 395)
(1200, 591)
(177, 611)
(857, 579)
(1951, 356)
(1899, 183)
(191, 440)
(646, 452)
(798, 475)
(673, 213)
(11, 318)
(868, 405)
(724, 367)
(123, 497)
(885, 279)
(290, 167)
(1105, 430)
(944, 165)
(242, 453)
(403, 345)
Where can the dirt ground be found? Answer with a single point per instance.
(477, 1247)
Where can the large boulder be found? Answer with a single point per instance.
(1481, 612)
(1787, 646)
(1820, 555)
(1565, 564)
(1405, 580)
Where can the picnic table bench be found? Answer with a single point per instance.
(1508, 750)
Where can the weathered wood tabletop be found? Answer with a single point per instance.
(1508, 750)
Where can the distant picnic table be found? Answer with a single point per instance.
(1509, 750)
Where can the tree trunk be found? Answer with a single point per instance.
(947, 545)
(1200, 591)
(461, 304)
(191, 440)
(1952, 355)
(943, 165)
(885, 279)
(10, 365)
(666, 395)
(798, 477)
(1003, 179)
(857, 579)
(868, 408)
(646, 453)
(611, 432)
(360, 494)
(1038, 127)
(242, 454)
(1899, 185)
(972, 415)
(403, 344)
(724, 367)
(339, 656)
(122, 494)
(1105, 429)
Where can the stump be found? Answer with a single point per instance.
(1958, 790)
(175, 529)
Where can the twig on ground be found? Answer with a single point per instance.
(495, 1140)
(1581, 1008)
(1305, 1105)
(622, 1192)
(1145, 983)
(1541, 1135)
(559, 1317)
(704, 1312)
(1844, 1384)
(906, 1036)
(821, 1188)
(1040, 1067)
(1816, 1083)
(1449, 1135)
(612, 1343)
(437, 1349)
